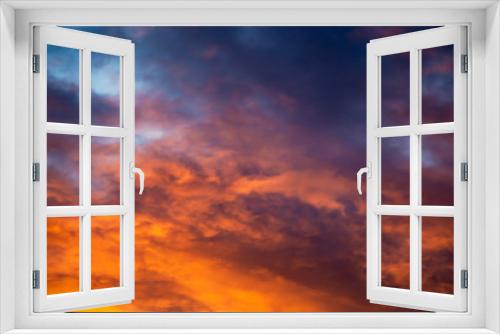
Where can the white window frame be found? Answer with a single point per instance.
(16, 20)
(412, 44)
(86, 44)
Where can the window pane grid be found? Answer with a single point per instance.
(69, 105)
(86, 130)
(415, 210)
(85, 211)
(445, 95)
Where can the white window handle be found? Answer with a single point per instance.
(361, 171)
(134, 170)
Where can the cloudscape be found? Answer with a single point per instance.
(250, 139)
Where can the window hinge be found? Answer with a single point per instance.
(464, 279)
(464, 171)
(465, 63)
(36, 172)
(36, 63)
(36, 279)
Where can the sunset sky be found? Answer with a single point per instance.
(250, 139)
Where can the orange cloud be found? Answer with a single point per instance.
(63, 255)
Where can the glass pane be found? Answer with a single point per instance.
(395, 251)
(437, 84)
(395, 95)
(395, 170)
(437, 254)
(105, 171)
(105, 89)
(63, 258)
(63, 165)
(105, 252)
(63, 84)
(437, 169)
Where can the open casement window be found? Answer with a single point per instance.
(417, 170)
(83, 170)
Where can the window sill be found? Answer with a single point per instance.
(254, 331)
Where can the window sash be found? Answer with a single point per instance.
(86, 43)
(413, 43)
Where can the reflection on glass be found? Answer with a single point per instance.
(63, 84)
(105, 252)
(395, 170)
(437, 84)
(105, 89)
(395, 95)
(105, 171)
(437, 169)
(63, 260)
(437, 254)
(63, 169)
(395, 251)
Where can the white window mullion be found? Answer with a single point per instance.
(124, 176)
(414, 171)
(85, 270)
(419, 210)
(77, 129)
(85, 233)
(418, 120)
(80, 211)
(65, 128)
(420, 129)
(105, 131)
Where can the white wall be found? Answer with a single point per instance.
(493, 165)
(7, 185)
